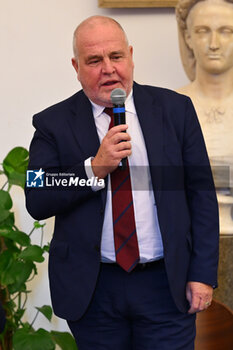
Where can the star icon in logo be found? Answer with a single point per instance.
(38, 173)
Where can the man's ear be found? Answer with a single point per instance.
(187, 38)
(75, 64)
(131, 54)
(131, 50)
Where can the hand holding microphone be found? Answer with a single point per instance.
(115, 146)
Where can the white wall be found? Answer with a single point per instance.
(35, 72)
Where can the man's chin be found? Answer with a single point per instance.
(103, 100)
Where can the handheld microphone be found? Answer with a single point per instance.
(118, 97)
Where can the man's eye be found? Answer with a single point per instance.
(116, 57)
(94, 61)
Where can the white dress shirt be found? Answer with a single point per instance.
(145, 210)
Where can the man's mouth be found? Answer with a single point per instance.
(110, 83)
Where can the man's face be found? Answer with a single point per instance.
(210, 35)
(104, 62)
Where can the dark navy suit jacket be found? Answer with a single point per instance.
(182, 182)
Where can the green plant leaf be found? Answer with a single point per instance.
(6, 259)
(33, 253)
(16, 275)
(11, 247)
(6, 277)
(37, 224)
(19, 314)
(21, 289)
(15, 166)
(46, 248)
(10, 307)
(5, 206)
(65, 340)
(16, 236)
(5, 200)
(23, 339)
(4, 215)
(9, 221)
(46, 310)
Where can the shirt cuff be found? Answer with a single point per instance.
(90, 175)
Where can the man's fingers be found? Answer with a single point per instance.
(204, 304)
(201, 306)
(192, 310)
(115, 146)
(117, 129)
(195, 305)
(123, 154)
(125, 145)
(199, 296)
(119, 137)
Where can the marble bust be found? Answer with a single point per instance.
(206, 47)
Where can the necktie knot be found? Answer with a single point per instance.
(108, 111)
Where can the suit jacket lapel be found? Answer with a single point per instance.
(83, 126)
(151, 121)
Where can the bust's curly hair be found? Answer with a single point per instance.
(183, 8)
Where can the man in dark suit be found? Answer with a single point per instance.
(143, 292)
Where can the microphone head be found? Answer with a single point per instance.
(118, 96)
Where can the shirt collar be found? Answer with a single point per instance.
(129, 106)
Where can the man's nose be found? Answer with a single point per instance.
(107, 66)
(214, 41)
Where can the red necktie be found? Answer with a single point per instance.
(124, 228)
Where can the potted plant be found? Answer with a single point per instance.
(18, 260)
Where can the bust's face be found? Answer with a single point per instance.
(210, 35)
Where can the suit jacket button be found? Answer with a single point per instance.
(101, 211)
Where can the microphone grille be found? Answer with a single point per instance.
(118, 96)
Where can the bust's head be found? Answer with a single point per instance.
(205, 35)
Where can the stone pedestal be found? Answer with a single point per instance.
(224, 292)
